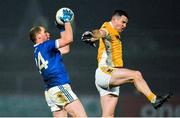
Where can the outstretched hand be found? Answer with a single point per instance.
(87, 37)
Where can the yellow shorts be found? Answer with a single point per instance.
(59, 96)
(102, 80)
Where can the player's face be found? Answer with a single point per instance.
(120, 22)
(44, 35)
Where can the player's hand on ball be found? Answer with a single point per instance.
(64, 15)
(67, 16)
(87, 38)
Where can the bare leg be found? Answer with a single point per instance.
(75, 109)
(108, 104)
(122, 76)
(61, 113)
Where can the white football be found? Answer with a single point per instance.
(59, 14)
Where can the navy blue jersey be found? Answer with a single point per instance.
(50, 64)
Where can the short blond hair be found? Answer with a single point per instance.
(32, 33)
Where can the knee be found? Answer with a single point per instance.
(107, 115)
(138, 75)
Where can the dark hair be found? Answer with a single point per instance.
(32, 33)
(120, 13)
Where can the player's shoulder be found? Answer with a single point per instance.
(105, 24)
(48, 42)
(106, 27)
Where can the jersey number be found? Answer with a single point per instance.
(41, 63)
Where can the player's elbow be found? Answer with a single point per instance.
(65, 52)
(69, 39)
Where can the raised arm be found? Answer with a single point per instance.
(64, 49)
(67, 36)
(66, 33)
(98, 33)
(91, 37)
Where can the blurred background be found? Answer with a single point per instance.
(151, 45)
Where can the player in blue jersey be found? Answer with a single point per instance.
(47, 53)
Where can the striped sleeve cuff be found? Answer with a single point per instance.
(57, 43)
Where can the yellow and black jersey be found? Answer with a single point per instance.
(110, 48)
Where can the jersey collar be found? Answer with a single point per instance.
(111, 24)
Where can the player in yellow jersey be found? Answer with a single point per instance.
(110, 73)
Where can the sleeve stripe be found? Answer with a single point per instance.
(57, 44)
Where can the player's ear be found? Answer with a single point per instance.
(38, 36)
